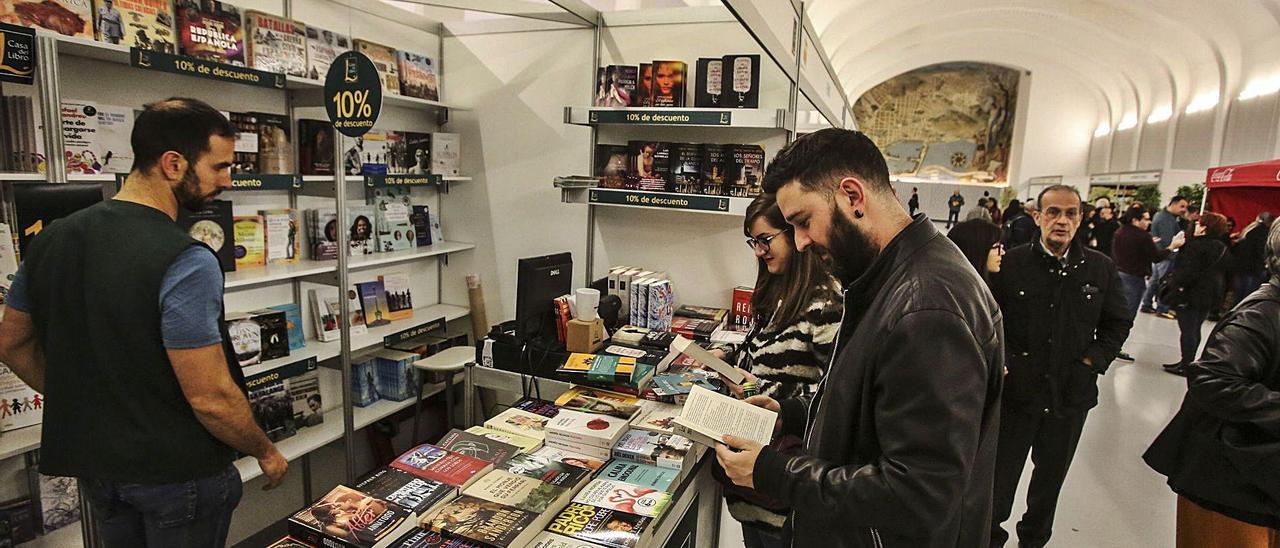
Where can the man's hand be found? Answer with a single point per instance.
(739, 465)
(274, 466)
(770, 404)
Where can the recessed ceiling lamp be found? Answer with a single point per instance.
(1103, 130)
(1203, 102)
(1260, 87)
(1160, 114)
(1128, 122)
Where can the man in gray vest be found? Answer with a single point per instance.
(116, 317)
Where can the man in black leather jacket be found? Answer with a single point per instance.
(1066, 318)
(900, 436)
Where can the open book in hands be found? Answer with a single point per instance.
(707, 417)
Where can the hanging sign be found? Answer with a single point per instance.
(352, 94)
(413, 332)
(688, 202)
(662, 117)
(375, 181)
(17, 54)
(181, 64)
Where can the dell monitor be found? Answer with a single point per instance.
(539, 281)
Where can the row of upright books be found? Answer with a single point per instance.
(686, 168)
(731, 81)
(216, 31)
(593, 469)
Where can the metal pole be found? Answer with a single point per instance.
(306, 479)
(598, 37)
(344, 305)
(49, 87)
(797, 45)
(469, 396)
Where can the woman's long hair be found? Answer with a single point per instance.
(975, 239)
(784, 297)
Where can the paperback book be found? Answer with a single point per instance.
(478, 446)
(669, 83)
(315, 150)
(570, 458)
(446, 154)
(640, 475)
(708, 416)
(424, 538)
(537, 407)
(603, 526)
(485, 522)
(69, 17)
(250, 241)
(644, 87)
(115, 128)
(519, 491)
(546, 470)
(743, 89)
(624, 497)
(620, 85)
(519, 422)
(373, 302)
(418, 495)
(308, 404)
(547, 539)
(713, 170)
(525, 443)
(656, 417)
(745, 172)
(351, 518)
(271, 405)
(275, 149)
(281, 233)
(210, 30)
(434, 463)
(598, 401)
(662, 450)
(707, 90)
(418, 76)
(142, 24)
(391, 209)
(213, 226)
(600, 431)
(399, 298)
(246, 147)
(361, 232)
(686, 168)
(421, 221)
(322, 47)
(276, 44)
(384, 59)
(323, 232)
(650, 165)
(611, 165)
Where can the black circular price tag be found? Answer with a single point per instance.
(353, 94)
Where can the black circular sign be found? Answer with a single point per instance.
(353, 94)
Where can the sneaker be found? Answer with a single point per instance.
(1175, 368)
(1124, 356)
(1147, 310)
(1168, 315)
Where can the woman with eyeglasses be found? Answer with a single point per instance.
(979, 240)
(797, 307)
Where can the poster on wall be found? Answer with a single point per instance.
(950, 122)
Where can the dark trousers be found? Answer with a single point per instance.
(194, 513)
(1190, 319)
(756, 537)
(1134, 287)
(1247, 283)
(1158, 271)
(953, 217)
(1052, 441)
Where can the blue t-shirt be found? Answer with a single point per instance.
(190, 299)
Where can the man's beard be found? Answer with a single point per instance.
(851, 251)
(188, 192)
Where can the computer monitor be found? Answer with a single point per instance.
(539, 281)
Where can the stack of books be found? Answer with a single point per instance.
(587, 434)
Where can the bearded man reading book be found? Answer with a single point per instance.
(900, 436)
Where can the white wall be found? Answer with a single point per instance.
(1060, 123)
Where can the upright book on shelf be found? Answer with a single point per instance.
(275, 149)
(418, 76)
(281, 233)
(322, 47)
(214, 226)
(392, 207)
(315, 147)
(276, 44)
(115, 128)
(323, 229)
(246, 147)
(744, 174)
(417, 152)
(384, 59)
(361, 239)
(713, 170)
(69, 17)
(611, 165)
(250, 241)
(142, 24)
(210, 30)
(669, 83)
(743, 82)
(399, 297)
(373, 301)
(707, 86)
(446, 154)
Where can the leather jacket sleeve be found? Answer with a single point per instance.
(928, 411)
(1114, 324)
(1226, 381)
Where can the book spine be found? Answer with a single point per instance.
(634, 456)
(571, 445)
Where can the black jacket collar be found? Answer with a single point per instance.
(899, 250)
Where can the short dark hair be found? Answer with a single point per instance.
(819, 159)
(180, 124)
(1134, 214)
(975, 238)
(1177, 198)
(1059, 188)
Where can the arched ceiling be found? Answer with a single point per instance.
(1131, 55)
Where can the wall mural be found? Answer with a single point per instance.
(952, 121)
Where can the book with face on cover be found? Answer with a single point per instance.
(624, 497)
(322, 47)
(210, 30)
(570, 458)
(275, 44)
(519, 422)
(433, 463)
(418, 495)
(142, 24)
(488, 523)
(525, 443)
(661, 450)
(603, 526)
(544, 469)
(347, 517)
(519, 491)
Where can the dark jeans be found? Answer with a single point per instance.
(1052, 441)
(1158, 271)
(1134, 286)
(953, 217)
(1247, 283)
(755, 537)
(1190, 319)
(189, 514)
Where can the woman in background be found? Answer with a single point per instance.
(979, 240)
(1199, 277)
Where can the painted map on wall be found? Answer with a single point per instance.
(952, 121)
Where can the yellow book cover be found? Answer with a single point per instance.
(584, 363)
(250, 240)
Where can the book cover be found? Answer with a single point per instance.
(246, 339)
(449, 468)
(525, 443)
(702, 312)
(271, 405)
(276, 44)
(625, 497)
(547, 539)
(669, 83)
(569, 458)
(275, 149)
(661, 305)
(518, 491)
(210, 30)
(361, 237)
(620, 85)
(250, 241)
(324, 234)
(603, 402)
(603, 526)
(308, 404)
(742, 316)
(293, 321)
(373, 302)
(349, 516)
(650, 165)
(708, 416)
(416, 494)
(423, 538)
(640, 475)
(713, 169)
(644, 87)
(601, 89)
(79, 136)
(694, 328)
(324, 320)
(322, 47)
(679, 383)
(315, 147)
(275, 333)
(289, 542)
(421, 221)
(586, 428)
(486, 522)
(396, 378)
(372, 154)
(546, 470)
(59, 502)
(399, 299)
(656, 417)
(213, 226)
(281, 235)
(418, 76)
(384, 59)
(356, 321)
(8, 262)
(437, 230)
(69, 17)
(478, 446)
(537, 407)
(142, 24)
(611, 165)
(391, 209)
(519, 422)
(707, 86)
(661, 450)
(579, 448)
(743, 89)
(115, 127)
(417, 152)
(446, 154)
(364, 391)
(246, 151)
(745, 172)
(20, 406)
(686, 168)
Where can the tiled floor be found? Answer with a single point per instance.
(1111, 498)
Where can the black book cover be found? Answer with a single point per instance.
(476, 446)
(422, 538)
(745, 171)
(650, 165)
(315, 150)
(212, 225)
(417, 152)
(669, 83)
(421, 220)
(272, 407)
(546, 470)
(275, 334)
(713, 166)
(686, 168)
(611, 166)
(620, 85)
(707, 90)
(644, 87)
(36, 205)
(412, 492)
(602, 526)
(742, 81)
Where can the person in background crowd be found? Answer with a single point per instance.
(116, 317)
(1134, 252)
(1249, 252)
(1013, 209)
(913, 204)
(1089, 214)
(1221, 451)
(797, 305)
(1021, 228)
(1104, 230)
(899, 451)
(1197, 281)
(954, 203)
(994, 208)
(979, 240)
(1065, 321)
(1164, 226)
(979, 211)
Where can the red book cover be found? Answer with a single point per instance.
(742, 317)
(433, 463)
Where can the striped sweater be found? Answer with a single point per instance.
(790, 360)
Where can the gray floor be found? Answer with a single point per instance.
(1111, 498)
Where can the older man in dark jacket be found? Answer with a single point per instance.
(900, 436)
(1065, 320)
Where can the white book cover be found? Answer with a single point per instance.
(281, 235)
(589, 451)
(519, 422)
(20, 406)
(322, 47)
(586, 428)
(708, 416)
(80, 135)
(547, 539)
(624, 497)
(656, 417)
(8, 263)
(115, 126)
(446, 154)
(569, 457)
